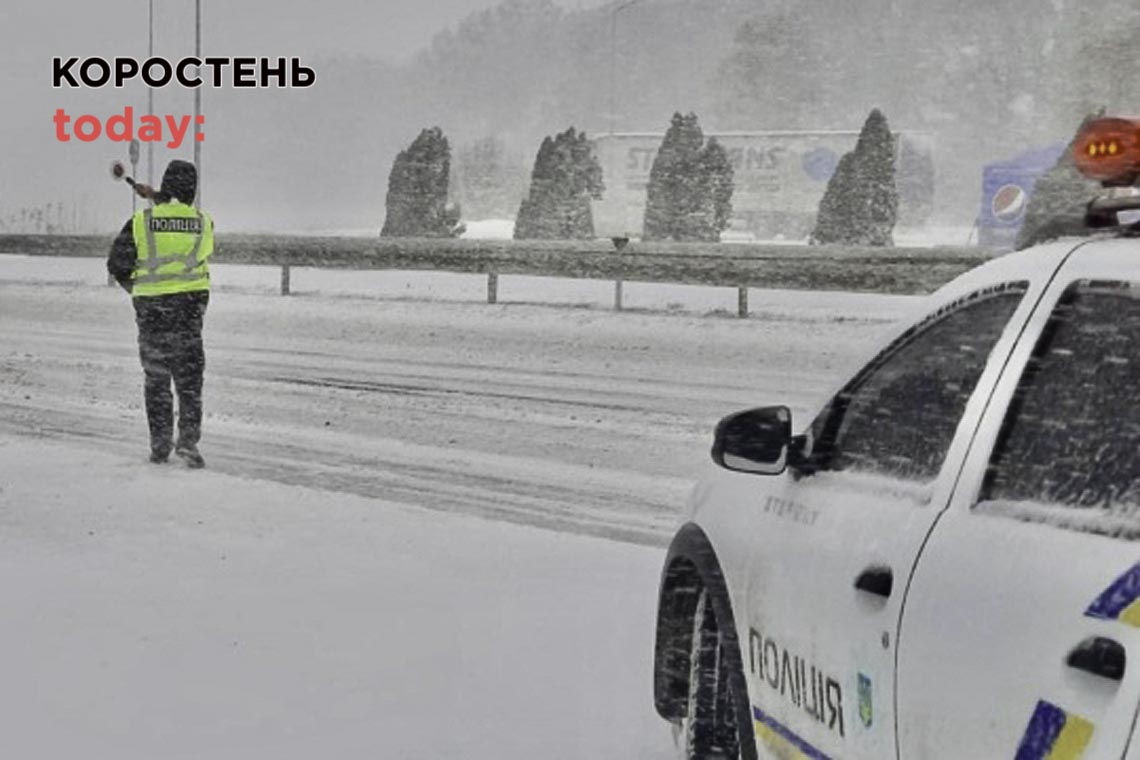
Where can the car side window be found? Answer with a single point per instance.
(1067, 452)
(898, 416)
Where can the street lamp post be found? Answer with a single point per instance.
(150, 92)
(198, 102)
(613, 59)
(618, 283)
(197, 97)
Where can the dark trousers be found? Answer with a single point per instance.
(170, 347)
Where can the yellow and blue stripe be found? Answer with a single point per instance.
(781, 740)
(1053, 734)
(1121, 600)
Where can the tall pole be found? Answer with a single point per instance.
(198, 100)
(613, 64)
(613, 59)
(150, 92)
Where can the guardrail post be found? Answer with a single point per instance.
(492, 287)
(619, 243)
(284, 279)
(742, 302)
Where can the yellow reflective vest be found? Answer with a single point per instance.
(174, 242)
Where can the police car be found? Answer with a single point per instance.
(943, 561)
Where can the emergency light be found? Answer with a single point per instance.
(1108, 150)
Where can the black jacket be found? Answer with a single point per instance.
(124, 253)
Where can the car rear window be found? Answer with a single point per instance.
(1068, 452)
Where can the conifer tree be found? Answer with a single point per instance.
(833, 222)
(417, 190)
(860, 204)
(876, 151)
(536, 213)
(1059, 200)
(689, 196)
(717, 170)
(566, 177)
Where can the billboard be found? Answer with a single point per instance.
(1006, 188)
(779, 179)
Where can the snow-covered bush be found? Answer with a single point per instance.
(1059, 200)
(860, 204)
(689, 196)
(566, 176)
(417, 190)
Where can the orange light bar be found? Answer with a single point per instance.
(1108, 150)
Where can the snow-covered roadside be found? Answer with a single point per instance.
(573, 418)
(153, 612)
(472, 288)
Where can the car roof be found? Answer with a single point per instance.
(1109, 255)
(1040, 261)
(1031, 263)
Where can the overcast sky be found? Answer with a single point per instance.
(37, 169)
(393, 29)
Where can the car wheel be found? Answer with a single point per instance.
(709, 730)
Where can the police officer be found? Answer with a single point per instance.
(160, 257)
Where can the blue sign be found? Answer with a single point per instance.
(1006, 188)
(820, 164)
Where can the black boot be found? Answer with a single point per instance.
(159, 452)
(189, 454)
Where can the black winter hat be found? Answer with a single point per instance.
(180, 180)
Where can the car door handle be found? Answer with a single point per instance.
(1100, 656)
(877, 580)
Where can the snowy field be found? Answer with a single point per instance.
(331, 586)
(160, 613)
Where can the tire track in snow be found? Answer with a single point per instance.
(592, 423)
(582, 500)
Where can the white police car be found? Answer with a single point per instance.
(944, 563)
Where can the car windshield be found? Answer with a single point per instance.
(899, 415)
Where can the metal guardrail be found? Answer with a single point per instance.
(742, 266)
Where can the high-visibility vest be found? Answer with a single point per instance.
(174, 242)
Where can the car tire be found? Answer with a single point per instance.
(708, 731)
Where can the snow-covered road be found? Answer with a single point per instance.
(326, 588)
(564, 417)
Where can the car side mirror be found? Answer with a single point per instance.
(755, 441)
